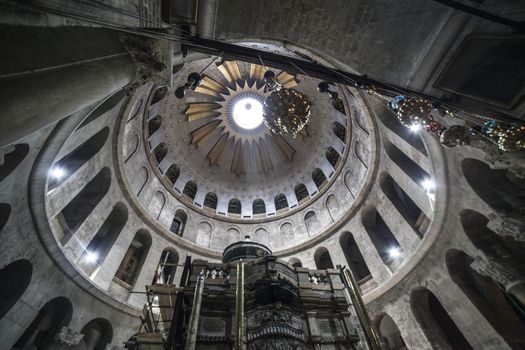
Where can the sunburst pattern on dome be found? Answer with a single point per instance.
(221, 136)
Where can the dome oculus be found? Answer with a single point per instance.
(248, 113)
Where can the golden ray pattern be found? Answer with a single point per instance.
(219, 137)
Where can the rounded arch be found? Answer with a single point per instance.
(234, 206)
(286, 230)
(494, 187)
(488, 297)
(40, 333)
(258, 207)
(333, 206)
(132, 147)
(404, 204)
(311, 222)
(104, 107)
(295, 262)
(319, 178)
(173, 173)
(233, 234)
(75, 159)
(301, 193)
(159, 94)
(179, 222)
(339, 131)
(405, 163)
(14, 279)
(281, 202)
(354, 258)
(390, 333)
(333, 157)
(168, 262)
(98, 333)
(107, 234)
(322, 259)
(12, 159)
(132, 262)
(490, 243)
(160, 152)
(143, 177)
(438, 326)
(389, 120)
(154, 124)
(380, 234)
(190, 190)
(204, 234)
(5, 212)
(210, 201)
(82, 205)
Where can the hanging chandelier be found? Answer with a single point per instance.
(285, 111)
(417, 112)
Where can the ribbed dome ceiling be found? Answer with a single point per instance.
(196, 139)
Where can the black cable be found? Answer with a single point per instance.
(518, 26)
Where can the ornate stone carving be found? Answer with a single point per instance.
(501, 272)
(276, 344)
(67, 336)
(508, 224)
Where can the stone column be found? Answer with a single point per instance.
(504, 273)
(34, 99)
(410, 330)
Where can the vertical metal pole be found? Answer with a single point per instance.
(191, 342)
(372, 337)
(239, 307)
(175, 331)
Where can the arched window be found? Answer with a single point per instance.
(173, 173)
(390, 333)
(383, 239)
(311, 222)
(319, 178)
(409, 167)
(490, 299)
(131, 265)
(12, 159)
(14, 279)
(104, 107)
(160, 152)
(339, 131)
(78, 157)
(494, 246)
(354, 258)
(333, 157)
(301, 193)
(80, 207)
(179, 222)
(392, 123)
(322, 259)
(98, 333)
(404, 204)
(40, 334)
(258, 207)
(159, 94)
(99, 247)
(439, 328)
(494, 186)
(167, 267)
(281, 202)
(234, 206)
(190, 190)
(154, 124)
(5, 212)
(295, 262)
(210, 201)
